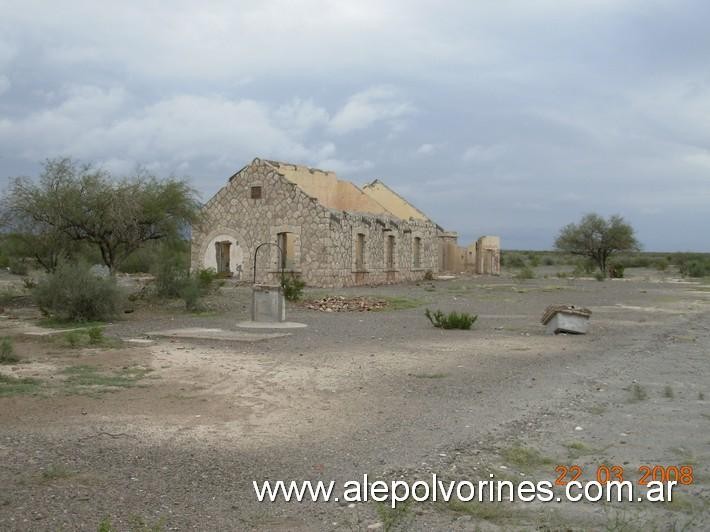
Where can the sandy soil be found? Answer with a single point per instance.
(178, 442)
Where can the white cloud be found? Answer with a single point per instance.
(365, 108)
(100, 125)
(301, 115)
(426, 149)
(483, 154)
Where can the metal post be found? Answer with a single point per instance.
(256, 252)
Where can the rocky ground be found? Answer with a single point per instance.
(168, 434)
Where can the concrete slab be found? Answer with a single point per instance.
(270, 325)
(144, 341)
(38, 331)
(200, 333)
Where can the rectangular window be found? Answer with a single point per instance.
(389, 253)
(417, 252)
(255, 192)
(360, 252)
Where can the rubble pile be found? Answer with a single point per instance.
(345, 304)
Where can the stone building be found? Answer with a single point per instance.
(329, 232)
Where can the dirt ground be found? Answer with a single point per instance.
(168, 434)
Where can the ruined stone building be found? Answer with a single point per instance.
(329, 232)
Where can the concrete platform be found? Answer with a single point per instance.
(270, 325)
(200, 333)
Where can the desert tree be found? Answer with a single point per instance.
(82, 203)
(597, 238)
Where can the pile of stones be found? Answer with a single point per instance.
(343, 304)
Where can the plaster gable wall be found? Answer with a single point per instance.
(392, 201)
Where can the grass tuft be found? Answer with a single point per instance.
(487, 511)
(85, 379)
(10, 385)
(638, 393)
(56, 472)
(394, 518)
(7, 352)
(452, 320)
(525, 458)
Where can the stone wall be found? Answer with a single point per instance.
(325, 239)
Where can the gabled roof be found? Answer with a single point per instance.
(331, 192)
(392, 201)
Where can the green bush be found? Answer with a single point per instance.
(429, 275)
(548, 261)
(534, 260)
(169, 279)
(515, 261)
(190, 292)
(697, 268)
(73, 338)
(19, 266)
(206, 278)
(662, 264)
(292, 287)
(96, 335)
(452, 320)
(616, 270)
(635, 261)
(524, 273)
(7, 352)
(584, 266)
(599, 276)
(73, 293)
(140, 261)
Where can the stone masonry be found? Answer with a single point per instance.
(326, 247)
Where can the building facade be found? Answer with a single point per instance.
(329, 232)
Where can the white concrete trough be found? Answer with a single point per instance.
(566, 319)
(268, 304)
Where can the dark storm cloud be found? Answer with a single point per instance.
(510, 118)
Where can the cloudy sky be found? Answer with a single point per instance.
(508, 117)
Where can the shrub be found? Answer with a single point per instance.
(548, 261)
(534, 260)
(73, 293)
(292, 287)
(73, 338)
(169, 278)
(7, 352)
(697, 268)
(525, 273)
(616, 270)
(599, 276)
(452, 320)
(96, 335)
(584, 267)
(429, 275)
(206, 278)
(18, 267)
(515, 261)
(190, 292)
(29, 283)
(662, 264)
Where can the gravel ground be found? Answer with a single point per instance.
(382, 393)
